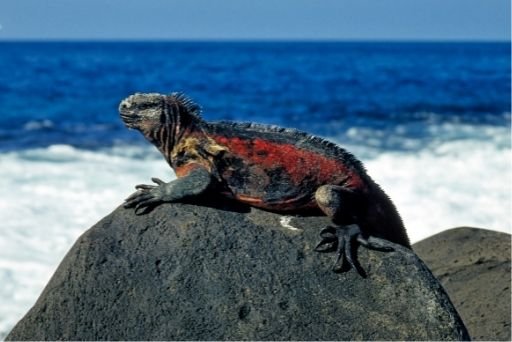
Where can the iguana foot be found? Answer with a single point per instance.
(147, 195)
(342, 239)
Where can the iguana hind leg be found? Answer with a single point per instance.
(343, 207)
(192, 184)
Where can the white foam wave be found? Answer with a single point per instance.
(50, 196)
(456, 184)
(35, 125)
(463, 177)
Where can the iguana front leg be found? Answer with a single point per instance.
(342, 205)
(193, 183)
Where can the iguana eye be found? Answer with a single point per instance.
(144, 106)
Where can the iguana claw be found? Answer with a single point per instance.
(342, 239)
(146, 196)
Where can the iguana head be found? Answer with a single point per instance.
(158, 117)
(143, 111)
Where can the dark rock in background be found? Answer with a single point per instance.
(474, 267)
(187, 272)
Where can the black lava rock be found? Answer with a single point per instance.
(190, 272)
(474, 267)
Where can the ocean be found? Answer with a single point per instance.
(431, 122)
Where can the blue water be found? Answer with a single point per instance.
(68, 92)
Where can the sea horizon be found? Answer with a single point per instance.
(255, 40)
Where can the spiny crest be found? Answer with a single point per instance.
(311, 141)
(184, 101)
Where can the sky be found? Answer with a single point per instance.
(473, 20)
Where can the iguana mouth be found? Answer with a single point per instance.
(128, 117)
(129, 120)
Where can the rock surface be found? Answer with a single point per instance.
(474, 267)
(187, 272)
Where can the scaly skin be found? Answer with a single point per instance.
(276, 169)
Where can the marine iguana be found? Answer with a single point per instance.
(276, 169)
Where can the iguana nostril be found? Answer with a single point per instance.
(124, 105)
